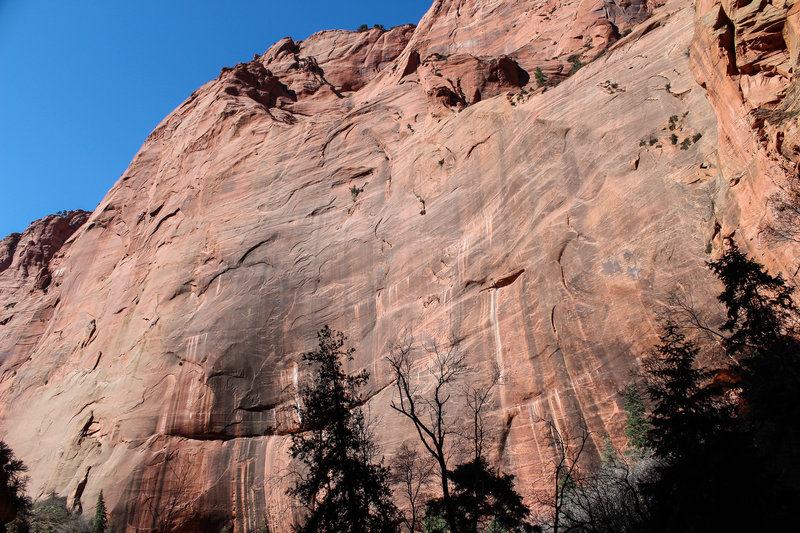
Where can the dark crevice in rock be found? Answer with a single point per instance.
(76, 498)
(165, 218)
(97, 361)
(412, 64)
(253, 248)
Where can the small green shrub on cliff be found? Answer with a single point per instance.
(355, 191)
(541, 79)
(575, 61)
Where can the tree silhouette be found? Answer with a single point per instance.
(413, 471)
(14, 504)
(762, 325)
(760, 310)
(702, 456)
(484, 496)
(430, 412)
(342, 487)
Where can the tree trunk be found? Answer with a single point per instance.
(448, 504)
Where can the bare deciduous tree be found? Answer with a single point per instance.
(568, 452)
(603, 499)
(175, 480)
(413, 472)
(428, 411)
(478, 399)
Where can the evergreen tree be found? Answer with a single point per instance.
(760, 310)
(608, 454)
(701, 457)
(482, 497)
(100, 522)
(761, 319)
(14, 504)
(685, 415)
(636, 424)
(342, 486)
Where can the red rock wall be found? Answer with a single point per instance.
(541, 226)
(745, 54)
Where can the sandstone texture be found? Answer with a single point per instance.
(384, 182)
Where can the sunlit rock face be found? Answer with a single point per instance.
(383, 182)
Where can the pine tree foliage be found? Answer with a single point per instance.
(12, 484)
(342, 486)
(721, 435)
(482, 497)
(693, 437)
(762, 321)
(686, 411)
(723, 438)
(100, 522)
(759, 306)
(636, 423)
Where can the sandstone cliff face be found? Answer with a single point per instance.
(745, 54)
(25, 260)
(543, 227)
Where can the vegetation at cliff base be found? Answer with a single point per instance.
(342, 486)
(717, 448)
(14, 504)
(50, 515)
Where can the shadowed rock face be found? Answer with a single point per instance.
(541, 226)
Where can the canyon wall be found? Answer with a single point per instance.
(423, 180)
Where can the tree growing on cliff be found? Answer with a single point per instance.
(342, 486)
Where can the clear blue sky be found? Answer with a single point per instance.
(82, 83)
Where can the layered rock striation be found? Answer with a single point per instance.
(425, 180)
